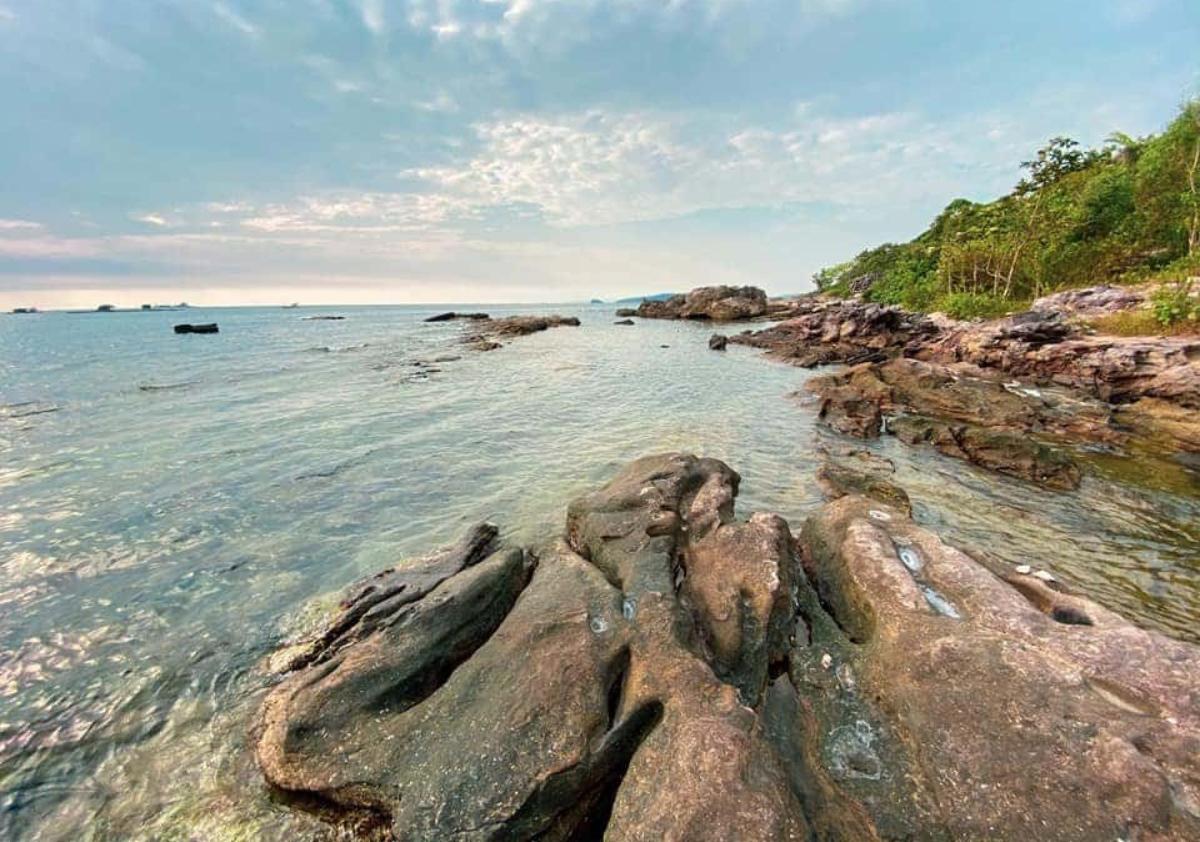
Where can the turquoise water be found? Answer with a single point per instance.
(156, 543)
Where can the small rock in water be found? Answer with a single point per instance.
(1024, 569)
(1045, 576)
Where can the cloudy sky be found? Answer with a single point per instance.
(264, 151)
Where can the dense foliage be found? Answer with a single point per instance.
(1126, 212)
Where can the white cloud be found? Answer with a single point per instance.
(235, 19)
(18, 224)
(600, 168)
(151, 219)
(7, 14)
(372, 16)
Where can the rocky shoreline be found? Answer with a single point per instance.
(665, 670)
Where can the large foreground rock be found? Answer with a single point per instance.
(616, 696)
(718, 304)
(953, 704)
(666, 671)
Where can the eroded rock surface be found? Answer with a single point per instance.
(820, 331)
(954, 705)
(616, 696)
(718, 304)
(666, 671)
(968, 414)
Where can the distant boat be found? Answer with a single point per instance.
(105, 308)
(291, 306)
(24, 311)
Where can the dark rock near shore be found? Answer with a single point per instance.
(206, 328)
(717, 342)
(626, 312)
(718, 304)
(452, 316)
(623, 322)
(323, 318)
(488, 333)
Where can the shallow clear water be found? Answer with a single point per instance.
(156, 543)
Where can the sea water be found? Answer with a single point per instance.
(172, 507)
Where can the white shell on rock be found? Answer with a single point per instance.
(1045, 576)
(1024, 569)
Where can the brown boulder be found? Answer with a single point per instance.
(952, 705)
(719, 304)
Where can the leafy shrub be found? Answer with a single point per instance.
(1173, 304)
(968, 305)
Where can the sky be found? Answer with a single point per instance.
(417, 151)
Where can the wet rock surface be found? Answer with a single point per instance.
(667, 671)
(487, 334)
(967, 414)
(718, 304)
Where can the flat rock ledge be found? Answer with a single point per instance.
(487, 333)
(667, 671)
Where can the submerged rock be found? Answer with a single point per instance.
(717, 342)
(623, 322)
(626, 312)
(486, 336)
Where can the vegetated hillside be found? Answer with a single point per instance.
(1127, 212)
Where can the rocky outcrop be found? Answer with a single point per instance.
(1091, 301)
(615, 696)
(666, 671)
(205, 328)
(487, 335)
(964, 413)
(718, 342)
(452, 316)
(718, 304)
(952, 704)
(821, 331)
(626, 312)
(1043, 348)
